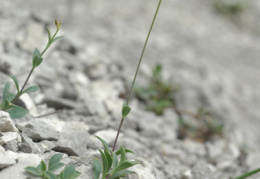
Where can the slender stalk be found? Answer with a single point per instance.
(28, 77)
(118, 131)
(248, 174)
(20, 93)
(136, 72)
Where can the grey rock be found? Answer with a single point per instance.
(107, 135)
(39, 129)
(96, 70)
(27, 145)
(140, 173)
(10, 136)
(46, 146)
(59, 103)
(17, 171)
(92, 107)
(12, 145)
(74, 143)
(7, 159)
(6, 123)
(200, 171)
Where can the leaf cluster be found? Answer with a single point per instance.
(111, 167)
(47, 172)
(9, 99)
(157, 95)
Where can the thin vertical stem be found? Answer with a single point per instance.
(136, 72)
(118, 131)
(142, 54)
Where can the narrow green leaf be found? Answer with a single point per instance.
(49, 35)
(57, 38)
(49, 174)
(122, 166)
(36, 53)
(16, 83)
(125, 110)
(109, 160)
(34, 171)
(122, 173)
(31, 89)
(37, 61)
(115, 160)
(104, 143)
(6, 91)
(104, 162)
(126, 150)
(97, 168)
(42, 166)
(123, 156)
(68, 172)
(54, 160)
(17, 112)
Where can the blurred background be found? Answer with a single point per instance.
(208, 50)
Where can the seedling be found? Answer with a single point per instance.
(47, 172)
(8, 101)
(157, 95)
(111, 166)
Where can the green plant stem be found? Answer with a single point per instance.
(28, 77)
(118, 131)
(248, 174)
(136, 72)
(21, 91)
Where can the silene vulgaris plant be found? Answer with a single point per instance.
(8, 100)
(114, 164)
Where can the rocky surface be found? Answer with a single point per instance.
(210, 53)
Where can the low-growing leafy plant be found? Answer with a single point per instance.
(157, 95)
(47, 171)
(8, 100)
(111, 167)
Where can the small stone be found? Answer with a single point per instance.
(200, 170)
(27, 145)
(10, 136)
(6, 123)
(59, 103)
(93, 107)
(46, 146)
(17, 170)
(96, 70)
(7, 159)
(107, 135)
(39, 129)
(140, 173)
(74, 143)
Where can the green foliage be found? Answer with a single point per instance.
(229, 8)
(47, 172)
(157, 95)
(111, 167)
(125, 110)
(9, 99)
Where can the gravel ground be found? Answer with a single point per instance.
(212, 56)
